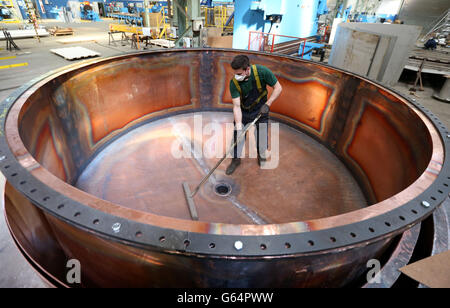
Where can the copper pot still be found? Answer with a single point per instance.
(87, 151)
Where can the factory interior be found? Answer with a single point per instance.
(355, 107)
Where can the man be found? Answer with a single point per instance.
(249, 96)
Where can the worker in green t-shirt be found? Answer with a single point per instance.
(249, 96)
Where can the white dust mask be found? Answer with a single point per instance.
(239, 77)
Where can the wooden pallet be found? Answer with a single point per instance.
(437, 55)
(60, 31)
(436, 60)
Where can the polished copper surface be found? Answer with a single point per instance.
(101, 134)
(324, 188)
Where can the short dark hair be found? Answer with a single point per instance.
(240, 62)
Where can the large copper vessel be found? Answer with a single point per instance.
(86, 151)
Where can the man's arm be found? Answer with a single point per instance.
(277, 88)
(237, 112)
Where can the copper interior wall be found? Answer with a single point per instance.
(69, 119)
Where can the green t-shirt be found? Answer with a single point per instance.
(265, 76)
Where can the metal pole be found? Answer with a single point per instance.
(273, 42)
(303, 49)
(146, 13)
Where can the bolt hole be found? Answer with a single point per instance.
(14, 174)
(263, 247)
(6, 167)
(401, 218)
(387, 223)
(433, 198)
(352, 234)
(33, 190)
(23, 182)
(371, 229)
(287, 245)
(138, 234)
(162, 239)
(186, 243)
(96, 222)
(212, 245)
(440, 191)
(333, 239)
(77, 214)
(60, 206)
(45, 198)
(445, 184)
(414, 211)
(311, 243)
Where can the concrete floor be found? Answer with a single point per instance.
(14, 269)
(40, 60)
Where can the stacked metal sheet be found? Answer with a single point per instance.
(16, 34)
(72, 53)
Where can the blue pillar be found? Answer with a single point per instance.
(245, 20)
(299, 19)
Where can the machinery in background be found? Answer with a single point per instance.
(179, 23)
(285, 20)
(132, 14)
(219, 15)
(147, 22)
(187, 16)
(295, 33)
(292, 46)
(88, 13)
(307, 49)
(7, 12)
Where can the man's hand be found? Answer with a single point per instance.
(264, 109)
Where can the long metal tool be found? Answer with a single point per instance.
(187, 191)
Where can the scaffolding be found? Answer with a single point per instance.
(31, 11)
(221, 17)
(440, 28)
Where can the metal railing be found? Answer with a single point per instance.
(269, 42)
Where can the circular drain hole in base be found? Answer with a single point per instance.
(222, 189)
